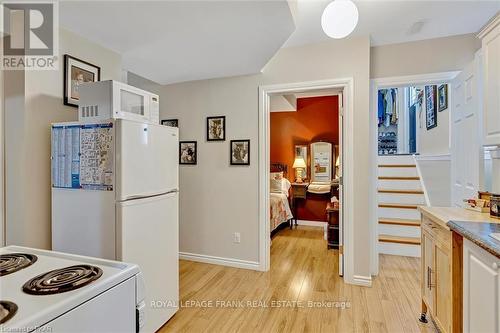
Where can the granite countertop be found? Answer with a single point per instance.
(443, 215)
(479, 233)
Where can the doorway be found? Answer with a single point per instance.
(345, 185)
(411, 90)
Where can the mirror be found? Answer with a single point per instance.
(321, 159)
(301, 151)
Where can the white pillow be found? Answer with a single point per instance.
(276, 182)
(285, 186)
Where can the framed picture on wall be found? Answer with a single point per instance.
(430, 106)
(216, 128)
(188, 153)
(443, 97)
(77, 72)
(240, 152)
(170, 122)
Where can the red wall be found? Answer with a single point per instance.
(316, 119)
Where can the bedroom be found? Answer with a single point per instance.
(305, 137)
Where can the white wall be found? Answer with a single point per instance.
(218, 199)
(32, 105)
(2, 183)
(434, 141)
(436, 176)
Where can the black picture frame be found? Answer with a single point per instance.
(213, 136)
(170, 122)
(182, 147)
(86, 68)
(443, 97)
(232, 149)
(431, 107)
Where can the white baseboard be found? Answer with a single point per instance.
(365, 281)
(311, 223)
(253, 265)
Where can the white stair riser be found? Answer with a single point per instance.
(398, 230)
(399, 249)
(397, 172)
(400, 159)
(399, 198)
(399, 184)
(399, 213)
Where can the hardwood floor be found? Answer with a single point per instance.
(302, 270)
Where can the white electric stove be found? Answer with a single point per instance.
(46, 291)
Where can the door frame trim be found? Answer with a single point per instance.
(265, 91)
(375, 85)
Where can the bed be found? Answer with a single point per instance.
(280, 212)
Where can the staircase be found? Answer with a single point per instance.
(399, 195)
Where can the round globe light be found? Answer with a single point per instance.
(339, 18)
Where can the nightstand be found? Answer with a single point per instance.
(299, 192)
(332, 215)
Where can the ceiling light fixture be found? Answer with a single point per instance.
(339, 18)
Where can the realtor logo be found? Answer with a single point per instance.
(30, 35)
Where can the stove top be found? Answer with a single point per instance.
(62, 280)
(66, 281)
(12, 262)
(7, 311)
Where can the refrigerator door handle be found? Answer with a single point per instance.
(138, 197)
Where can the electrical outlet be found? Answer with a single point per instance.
(237, 238)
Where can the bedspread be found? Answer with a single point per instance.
(280, 209)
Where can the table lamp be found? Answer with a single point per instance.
(299, 164)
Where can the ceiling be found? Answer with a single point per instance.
(175, 41)
(389, 22)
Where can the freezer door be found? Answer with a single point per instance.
(83, 222)
(148, 235)
(146, 159)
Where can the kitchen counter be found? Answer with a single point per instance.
(443, 215)
(479, 233)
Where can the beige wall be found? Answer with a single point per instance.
(33, 104)
(217, 199)
(423, 57)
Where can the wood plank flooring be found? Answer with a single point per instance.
(302, 270)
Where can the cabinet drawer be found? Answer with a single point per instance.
(437, 232)
(299, 192)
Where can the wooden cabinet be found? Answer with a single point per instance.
(437, 285)
(490, 37)
(427, 268)
(299, 192)
(481, 289)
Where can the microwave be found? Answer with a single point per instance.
(116, 100)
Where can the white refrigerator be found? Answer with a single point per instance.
(115, 196)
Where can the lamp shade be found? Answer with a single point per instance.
(299, 163)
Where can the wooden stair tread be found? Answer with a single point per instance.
(383, 190)
(399, 239)
(396, 221)
(397, 166)
(401, 206)
(397, 178)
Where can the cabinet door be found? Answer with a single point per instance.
(491, 80)
(427, 268)
(441, 283)
(481, 293)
